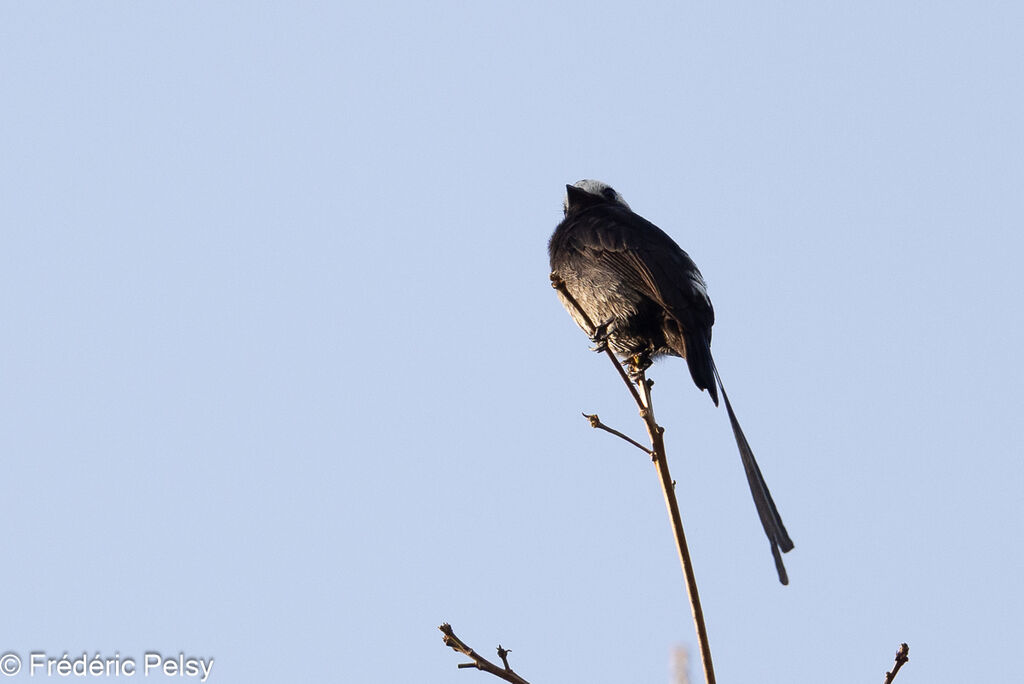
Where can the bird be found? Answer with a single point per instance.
(646, 299)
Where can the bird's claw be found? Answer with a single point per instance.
(636, 365)
(600, 337)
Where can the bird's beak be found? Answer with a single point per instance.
(573, 196)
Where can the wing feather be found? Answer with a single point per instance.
(646, 258)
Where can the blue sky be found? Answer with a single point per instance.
(283, 382)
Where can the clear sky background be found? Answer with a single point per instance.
(283, 381)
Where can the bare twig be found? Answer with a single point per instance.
(902, 656)
(503, 654)
(656, 434)
(595, 422)
(479, 662)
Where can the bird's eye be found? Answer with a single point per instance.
(609, 193)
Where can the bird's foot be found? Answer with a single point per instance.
(600, 336)
(636, 365)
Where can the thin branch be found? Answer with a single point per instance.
(479, 662)
(656, 434)
(595, 422)
(902, 656)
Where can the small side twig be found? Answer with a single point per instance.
(479, 662)
(902, 656)
(595, 422)
(503, 654)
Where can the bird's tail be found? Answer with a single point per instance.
(766, 510)
(702, 366)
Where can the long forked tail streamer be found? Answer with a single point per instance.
(766, 510)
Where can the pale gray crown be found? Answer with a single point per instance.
(596, 187)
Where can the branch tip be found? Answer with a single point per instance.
(902, 656)
(595, 422)
(479, 662)
(503, 654)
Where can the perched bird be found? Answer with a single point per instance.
(647, 299)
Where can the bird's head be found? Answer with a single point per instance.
(587, 193)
